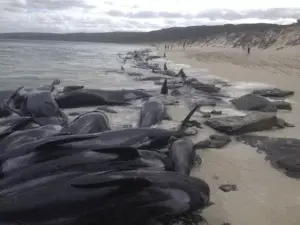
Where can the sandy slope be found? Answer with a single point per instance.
(265, 196)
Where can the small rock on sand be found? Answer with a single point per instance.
(228, 187)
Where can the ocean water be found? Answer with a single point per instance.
(33, 63)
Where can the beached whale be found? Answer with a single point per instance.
(5, 94)
(13, 124)
(152, 112)
(82, 98)
(39, 105)
(273, 92)
(128, 197)
(21, 137)
(42, 144)
(249, 123)
(93, 97)
(72, 88)
(87, 123)
(156, 160)
(196, 84)
(4, 109)
(254, 102)
(283, 153)
(153, 78)
(121, 95)
(60, 161)
(183, 155)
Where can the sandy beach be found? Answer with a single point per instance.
(265, 196)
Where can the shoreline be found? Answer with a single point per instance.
(236, 66)
(265, 195)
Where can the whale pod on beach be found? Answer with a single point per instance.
(130, 197)
(144, 137)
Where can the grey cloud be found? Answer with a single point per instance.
(143, 14)
(116, 13)
(271, 14)
(147, 14)
(172, 15)
(57, 4)
(214, 14)
(108, 3)
(276, 13)
(18, 5)
(57, 16)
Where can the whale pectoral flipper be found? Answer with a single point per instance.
(188, 117)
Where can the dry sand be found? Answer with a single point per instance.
(265, 196)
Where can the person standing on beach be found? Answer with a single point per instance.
(248, 49)
(183, 45)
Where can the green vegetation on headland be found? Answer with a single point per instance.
(259, 35)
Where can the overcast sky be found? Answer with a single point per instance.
(138, 15)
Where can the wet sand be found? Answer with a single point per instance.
(265, 196)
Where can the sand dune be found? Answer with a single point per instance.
(265, 196)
